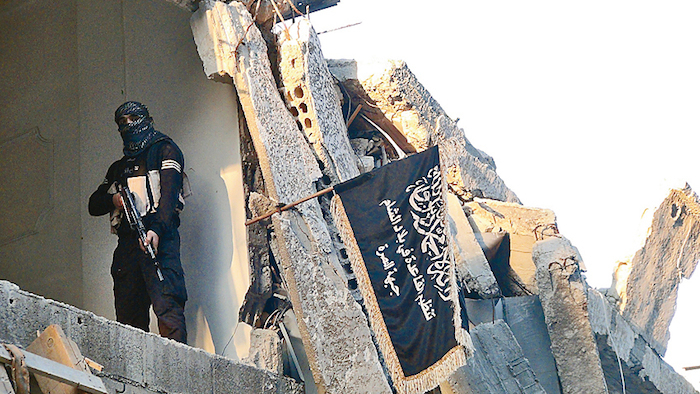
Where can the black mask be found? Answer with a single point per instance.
(140, 134)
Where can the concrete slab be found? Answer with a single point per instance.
(525, 317)
(498, 365)
(472, 267)
(525, 225)
(310, 93)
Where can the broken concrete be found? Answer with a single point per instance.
(334, 329)
(627, 358)
(313, 101)
(134, 361)
(471, 264)
(524, 226)
(310, 93)
(393, 88)
(671, 253)
(265, 351)
(498, 365)
(563, 294)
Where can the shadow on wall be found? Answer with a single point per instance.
(216, 271)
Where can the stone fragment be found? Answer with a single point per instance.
(312, 99)
(472, 268)
(335, 332)
(626, 357)
(671, 253)
(361, 146)
(265, 351)
(563, 294)
(524, 225)
(498, 365)
(367, 163)
(410, 110)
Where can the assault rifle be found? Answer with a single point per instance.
(134, 218)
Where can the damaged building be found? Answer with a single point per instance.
(278, 300)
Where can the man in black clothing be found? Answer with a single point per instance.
(152, 169)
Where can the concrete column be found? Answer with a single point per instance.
(334, 330)
(563, 295)
(312, 99)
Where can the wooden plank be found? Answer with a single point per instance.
(54, 345)
(44, 367)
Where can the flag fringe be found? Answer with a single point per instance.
(432, 376)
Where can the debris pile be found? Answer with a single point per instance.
(368, 115)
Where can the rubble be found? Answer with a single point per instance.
(629, 361)
(335, 332)
(266, 351)
(524, 226)
(407, 107)
(502, 248)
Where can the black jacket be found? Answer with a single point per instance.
(155, 177)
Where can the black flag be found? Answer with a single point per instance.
(392, 221)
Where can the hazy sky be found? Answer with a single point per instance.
(588, 108)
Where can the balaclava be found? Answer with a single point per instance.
(140, 134)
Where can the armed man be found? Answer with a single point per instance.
(143, 192)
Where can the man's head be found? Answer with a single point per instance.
(132, 116)
(135, 126)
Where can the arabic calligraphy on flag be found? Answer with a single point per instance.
(392, 221)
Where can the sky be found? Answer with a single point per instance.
(589, 109)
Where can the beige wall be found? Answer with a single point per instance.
(67, 66)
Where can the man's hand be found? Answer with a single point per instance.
(117, 201)
(151, 239)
